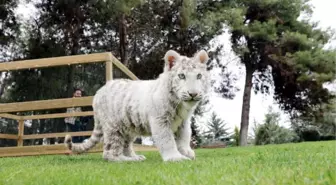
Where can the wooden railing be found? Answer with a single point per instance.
(7, 109)
(20, 119)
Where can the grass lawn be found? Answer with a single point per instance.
(304, 163)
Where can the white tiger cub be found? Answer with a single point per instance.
(125, 109)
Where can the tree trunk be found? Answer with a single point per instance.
(244, 124)
(70, 83)
(4, 83)
(122, 46)
(123, 40)
(71, 72)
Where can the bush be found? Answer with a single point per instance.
(327, 138)
(310, 135)
(235, 137)
(271, 133)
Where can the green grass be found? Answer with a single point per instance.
(303, 163)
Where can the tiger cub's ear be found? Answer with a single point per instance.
(170, 59)
(202, 56)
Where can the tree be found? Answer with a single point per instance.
(216, 128)
(164, 25)
(119, 13)
(9, 30)
(277, 49)
(9, 25)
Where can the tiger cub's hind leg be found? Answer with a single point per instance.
(114, 147)
(129, 151)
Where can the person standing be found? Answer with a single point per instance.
(74, 124)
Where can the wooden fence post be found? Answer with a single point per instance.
(20, 133)
(109, 74)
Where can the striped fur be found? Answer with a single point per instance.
(125, 109)
(93, 140)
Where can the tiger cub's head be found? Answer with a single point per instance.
(190, 79)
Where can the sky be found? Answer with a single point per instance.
(230, 110)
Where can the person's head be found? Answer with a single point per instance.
(77, 93)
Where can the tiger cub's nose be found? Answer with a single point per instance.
(193, 95)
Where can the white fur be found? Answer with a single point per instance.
(125, 109)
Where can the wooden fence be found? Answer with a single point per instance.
(7, 109)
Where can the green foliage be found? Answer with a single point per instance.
(124, 6)
(195, 133)
(319, 125)
(328, 121)
(235, 136)
(292, 164)
(9, 31)
(264, 31)
(217, 128)
(270, 132)
(187, 11)
(274, 134)
(310, 134)
(9, 25)
(200, 110)
(8, 126)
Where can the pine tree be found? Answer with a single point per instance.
(216, 128)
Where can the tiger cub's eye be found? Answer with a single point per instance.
(181, 76)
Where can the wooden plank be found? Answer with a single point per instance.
(41, 150)
(57, 115)
(109, 68)
(37, 153)
(56, 149)
(9, 136)
(21, 132)
(55, 61)
(45, 104)
(52, 135)
(124, 69)
(10, 116)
